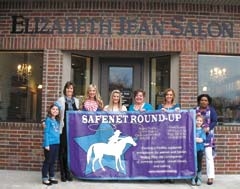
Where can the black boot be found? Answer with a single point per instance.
(63, 178)
(69, 176)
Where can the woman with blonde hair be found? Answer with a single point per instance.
(92, 100)
(168, 102)
(115, 102)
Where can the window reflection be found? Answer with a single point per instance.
(121, 78)
(20, 95)
(160, 79)
(219, 77)
(81, 74)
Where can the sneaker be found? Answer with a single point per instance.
(193, 181)
(53, 180)
(46, 182)
(199, 182)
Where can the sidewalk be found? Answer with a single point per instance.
(32, 180)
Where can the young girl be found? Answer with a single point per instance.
(92, 100)
(51, 140)
(200, 138)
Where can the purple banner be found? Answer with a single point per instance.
(131, 145)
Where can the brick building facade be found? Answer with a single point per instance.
(123, 28)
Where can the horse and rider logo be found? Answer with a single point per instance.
(114, 147)
(105, 147)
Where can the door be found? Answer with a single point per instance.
(123, 74)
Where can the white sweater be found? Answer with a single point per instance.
(61, 101)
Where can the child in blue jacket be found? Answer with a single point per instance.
(200, 139)
(51, 140)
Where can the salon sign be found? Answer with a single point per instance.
(131, 145)
(175, 26)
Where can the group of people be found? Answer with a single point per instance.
(55, 139)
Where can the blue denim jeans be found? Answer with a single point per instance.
(49, 161)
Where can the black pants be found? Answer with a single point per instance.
(199, 160)
(63, 154)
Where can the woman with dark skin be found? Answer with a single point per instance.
(205, 109)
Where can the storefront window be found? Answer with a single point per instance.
(219, 77)
(20, 86)
(81, 74)
(160, 79)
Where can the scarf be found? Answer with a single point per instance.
(205, 114)
(70, 102)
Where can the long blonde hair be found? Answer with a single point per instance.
(97, 97)
(110, 105)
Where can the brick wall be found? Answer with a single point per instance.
(228, 150)
(20, 143)
(20, 146)
(52, 77)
